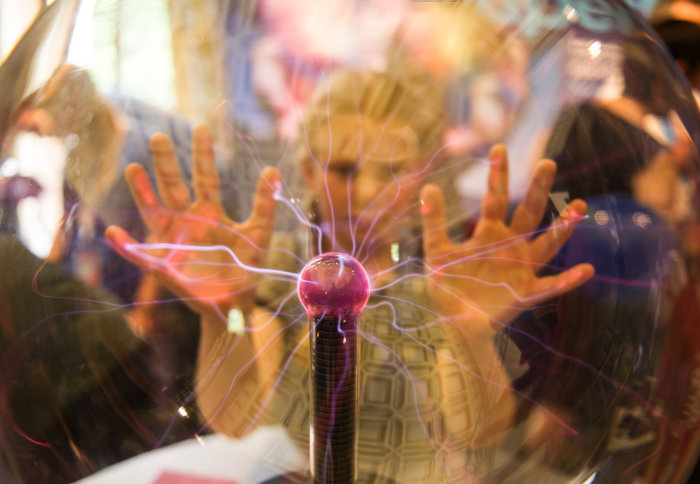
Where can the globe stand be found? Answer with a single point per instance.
(333, 288)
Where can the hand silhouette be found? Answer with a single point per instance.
(493, 275)
(193, 247)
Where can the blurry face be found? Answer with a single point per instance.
(659, 185)
(363, 202)
(36, 120)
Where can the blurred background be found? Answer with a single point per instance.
(98, 360)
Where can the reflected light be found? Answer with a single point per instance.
(590, 479)
(395, 252)
(419, 386)
(570, 14)
(236, 321)
(594, 49)
(10, 167)
(641, 219)
(601, 217)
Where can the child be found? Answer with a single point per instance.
(432, 387)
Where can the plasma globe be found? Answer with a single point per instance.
(333, 284)
(333, 288)
(374, 101)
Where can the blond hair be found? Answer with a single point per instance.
(354, 110)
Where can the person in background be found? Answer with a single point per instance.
(78, 390)
(628, 157)
(103, 134)
(434, 396)
(678, 24)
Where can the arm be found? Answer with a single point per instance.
(235, 371)
(207, 259)
(481, 285)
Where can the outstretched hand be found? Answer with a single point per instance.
(492, 277)
(193, 247)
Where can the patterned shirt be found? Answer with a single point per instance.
(403, 433)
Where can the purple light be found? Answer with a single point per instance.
(333, 284)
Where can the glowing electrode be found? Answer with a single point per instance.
(334, 289)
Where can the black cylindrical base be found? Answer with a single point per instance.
(334, 399)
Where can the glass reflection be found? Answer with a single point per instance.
(522, 198)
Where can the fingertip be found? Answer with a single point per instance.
(201, 138)
(132, 171)
(572, 278)
(266, 194)
(587, 270)
(159, 138)
(201, 131)
(546, 165)
(432, 211)
(429, 190)
(581, 274)
(498, 153)
(429, 198)
(271, 173)
(116, 236)
(579, 202)
(425, 206)
(497, 184)
(272, 178)
(203, 143)
(123, 244)
(140, 185)
(579, 207)
(498, 149)
(109, 231)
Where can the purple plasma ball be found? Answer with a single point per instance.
(333, 284)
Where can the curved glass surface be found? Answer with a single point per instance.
(517, 179)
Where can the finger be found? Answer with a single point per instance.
(144, 197)
(434, 220)
(546, 246)
(553, 286)
(495, 202)
(529, 213)
(265, 204)
(172, 189)
(122, 242)
(205, 176)
(123, 245)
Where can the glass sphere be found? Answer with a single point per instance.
(518, 181)
(333, 284)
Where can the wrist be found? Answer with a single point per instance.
(473, 324)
